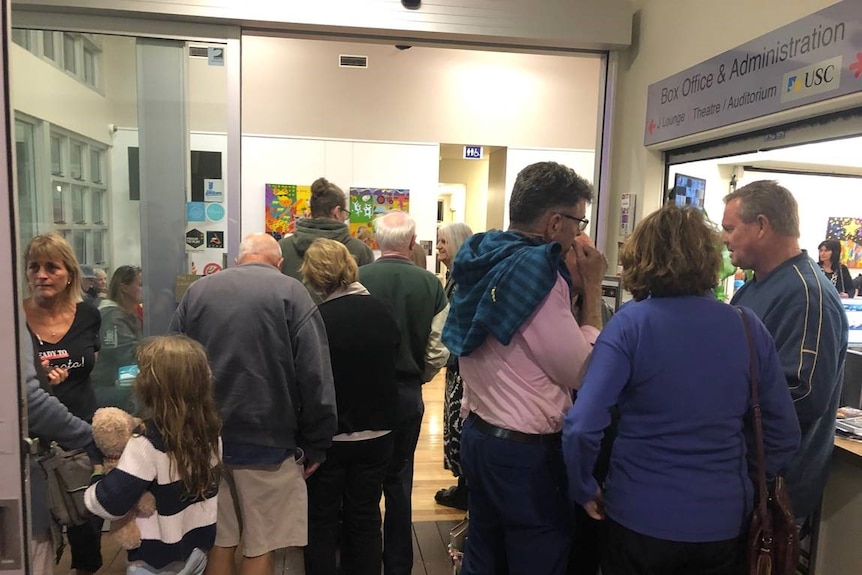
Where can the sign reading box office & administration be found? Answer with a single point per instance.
(816, 58)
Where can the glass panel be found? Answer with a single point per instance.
(56, 155)
(96, 166)
(79, 244)
(69, 53)
(78, 193)
(98, 202)
(21, 37)
(60, 190)
(99, 247)
(25, 166)
(76, 156)
(89, 67)
(48, 45)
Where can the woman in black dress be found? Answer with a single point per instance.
(450, 237)
(65, 331)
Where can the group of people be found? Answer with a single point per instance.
(281, 417)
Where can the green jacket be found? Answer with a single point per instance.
(293, 248)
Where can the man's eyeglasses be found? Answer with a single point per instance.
(582, 222)
(345, 210)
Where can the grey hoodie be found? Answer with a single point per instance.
(293, 248)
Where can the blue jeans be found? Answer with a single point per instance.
(520, 516)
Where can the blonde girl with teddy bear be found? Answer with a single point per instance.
(174, 454)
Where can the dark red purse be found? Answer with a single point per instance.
(773, 537)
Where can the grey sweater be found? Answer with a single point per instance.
(269, 355)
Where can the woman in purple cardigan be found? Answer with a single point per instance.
(678, 496)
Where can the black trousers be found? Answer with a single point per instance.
(350, 481)
(626, 552)
(86, 544)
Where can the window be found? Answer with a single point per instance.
(56, 156)
(48, 49)
(89, 67)
(78, 216)
(60, 203)
(69, 62)
(79, 194)
(21, 37)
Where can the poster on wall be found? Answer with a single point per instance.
(848, 231)
(368, 203)
(286, 203)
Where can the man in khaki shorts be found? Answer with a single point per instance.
(269, 354)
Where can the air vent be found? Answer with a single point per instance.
(197, 51)
(346, 61)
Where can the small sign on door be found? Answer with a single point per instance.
(472, 152)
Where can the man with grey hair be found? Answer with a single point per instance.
(802, 311)
(274, 390)
(419, 306)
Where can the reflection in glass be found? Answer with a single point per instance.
(99, 247)
(59, 203)
(78, 205)
(98, 199)
(76, 153)
(79, 244)
(89, 67)
(48, 45)
(56, 156)
(69, 53)
(95, 166)
(21, 37)
(25, 166)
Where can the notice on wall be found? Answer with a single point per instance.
(285, 204)
(369, 203)
(627, 214)
(848, 231)
(816, 58)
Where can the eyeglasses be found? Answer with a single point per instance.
(345, 210)
(582, 222)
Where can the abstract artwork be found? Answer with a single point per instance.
(368, 203)
(848, 231)
(285, 204)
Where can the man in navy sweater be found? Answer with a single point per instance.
(802, 311)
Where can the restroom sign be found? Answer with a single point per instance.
(472, 152)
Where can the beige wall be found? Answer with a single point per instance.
(45, 92)
(474, 175)
(295, 87)
(670, 36)
(496, 189)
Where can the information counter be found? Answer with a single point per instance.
(839, 535)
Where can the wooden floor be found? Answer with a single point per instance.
(431, 522)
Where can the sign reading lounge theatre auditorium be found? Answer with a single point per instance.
(815, 58)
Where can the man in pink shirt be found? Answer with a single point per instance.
(522, 353)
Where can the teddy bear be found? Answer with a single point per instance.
(112, 429)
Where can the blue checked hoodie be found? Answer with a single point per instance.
(500, 279)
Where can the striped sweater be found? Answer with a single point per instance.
(179, 524)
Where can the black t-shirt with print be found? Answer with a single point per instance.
(76, 351)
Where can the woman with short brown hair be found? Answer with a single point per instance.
(675, 362)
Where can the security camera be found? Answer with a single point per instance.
(411, 3)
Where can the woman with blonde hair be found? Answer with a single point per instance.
(450, 238)
(175, 454)
(65, 333)
(363, 368)
(678, 496)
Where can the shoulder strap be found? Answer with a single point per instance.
(758, 428)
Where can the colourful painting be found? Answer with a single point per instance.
(849, 232)
(285, 204)
(368, 203)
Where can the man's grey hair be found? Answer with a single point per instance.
(545, 186)
(768, 198)
(264, 246)
(394, 230)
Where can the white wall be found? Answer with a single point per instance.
(285, 160)
(582, 161)
(419, 95)
(670, 36)
(717, 184)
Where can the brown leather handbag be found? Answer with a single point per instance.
(773, 537)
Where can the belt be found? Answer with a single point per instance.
(511, 434)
